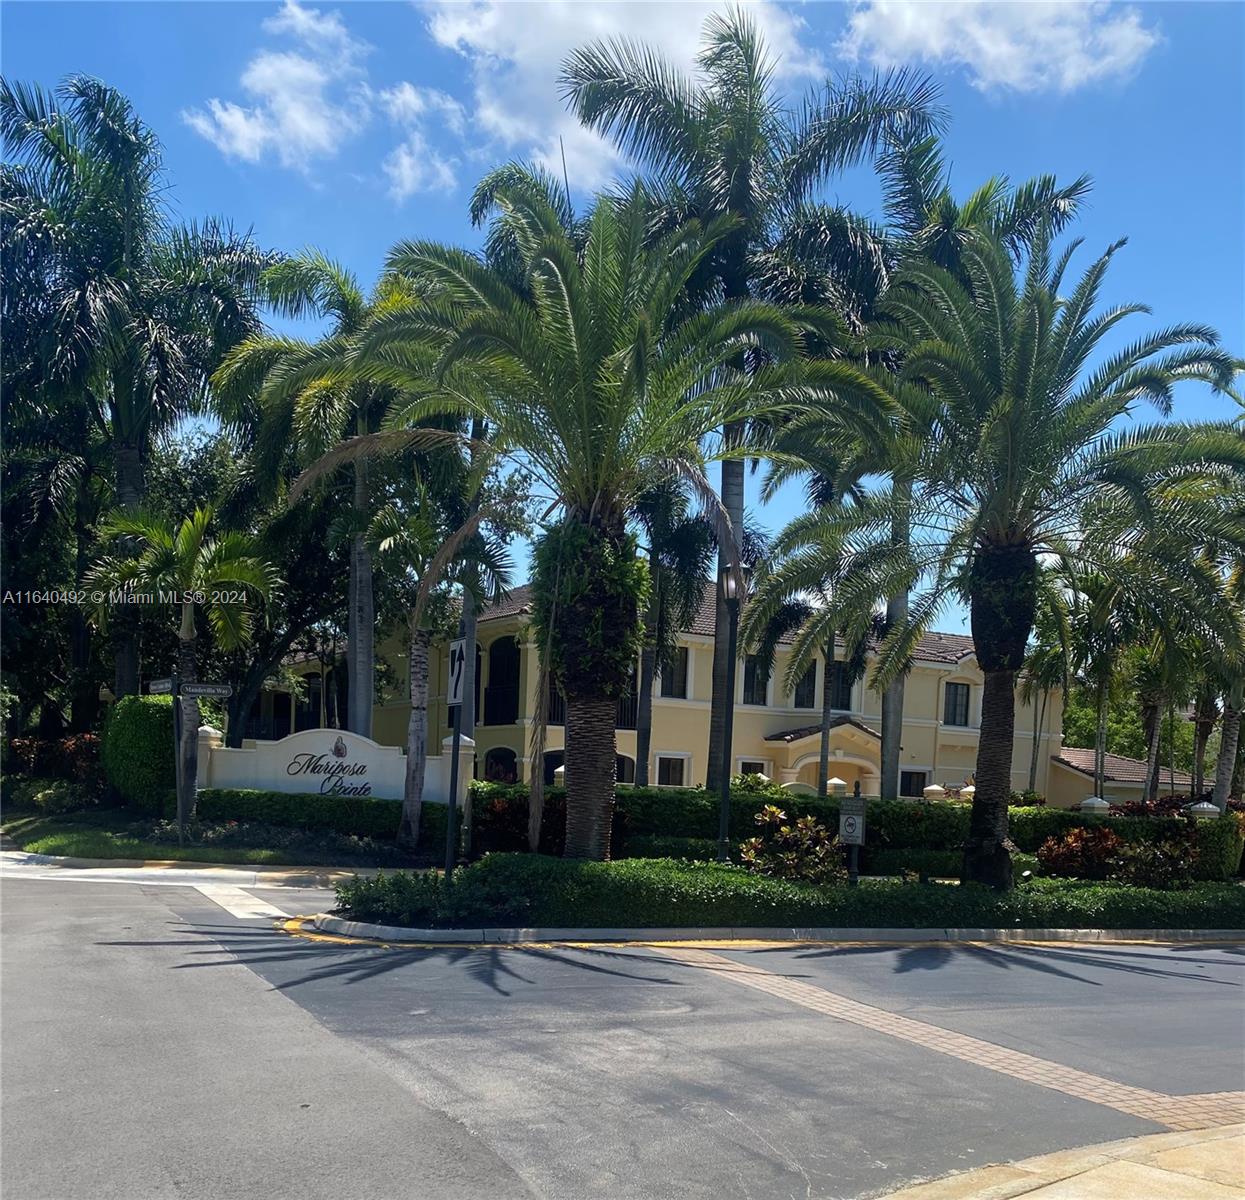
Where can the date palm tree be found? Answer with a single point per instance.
(131, 311)
(192, 570)
(726, 143)
(599, 381)
(1025, 462)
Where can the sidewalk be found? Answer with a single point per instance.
(1205, 1164)
(174, 872)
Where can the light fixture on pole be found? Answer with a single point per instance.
(728, 581)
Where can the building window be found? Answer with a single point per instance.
(755, 683)
(955, 704)
(752, 766)
(674, 676)
(670, 771)
(912, 783)
(840, 689)
(624, 769)
(806, 689)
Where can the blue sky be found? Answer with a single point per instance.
(349, 126)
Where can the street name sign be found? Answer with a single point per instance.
(160, 687)
(194, 690)
(852, 820)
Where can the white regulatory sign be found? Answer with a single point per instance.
(458, 663)
(852, 821)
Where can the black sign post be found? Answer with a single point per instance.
(454, 698)
(173, 686)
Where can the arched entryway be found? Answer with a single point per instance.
(501, 765)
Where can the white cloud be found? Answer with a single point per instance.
(304, 102)
(1027, 47)
(413, 166)
(408, 105)
(516, 50)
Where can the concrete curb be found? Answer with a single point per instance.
(397, 933)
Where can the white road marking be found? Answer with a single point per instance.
(237, 902)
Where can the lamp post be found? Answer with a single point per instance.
(728, 581)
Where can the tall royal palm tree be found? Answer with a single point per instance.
(726, 142)
(1026, 462)
(301, 401)
(221, 575)
(596, 377)
(133, 312)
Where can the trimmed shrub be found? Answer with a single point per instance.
(47, 795)
(357, 816)
(1080, 854)
(137, 751)
(1219, 846)
(75, 758)
(531, 890)
(1166, 864)
(648, 845)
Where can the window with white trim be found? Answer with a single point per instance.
(955, 704)
(756, 683)
(671, 771)
(806, 690)
(912, 783)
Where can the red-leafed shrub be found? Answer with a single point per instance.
(75, 758)
(1080, 853)
(1168, 863)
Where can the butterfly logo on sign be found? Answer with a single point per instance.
(339, 748)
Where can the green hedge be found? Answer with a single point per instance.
(526, 890)
(46, 795)
(360, 816)
(137, 751)
(944, 864)
(891, 825)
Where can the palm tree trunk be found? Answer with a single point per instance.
(1152, 724)
(130, 489)
(591, 750)
(1037, 740)
(986, 852)
(362, 621)
(892, 697)
(1204, 720)
(733, 502)
(1100, 738)
(827, 715)
(188, 750)
(416, 741)
(648, 676)
(84, 701)
(1225, 764)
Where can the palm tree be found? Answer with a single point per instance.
(597, 379)
(726, 143)
(193, 571)
(301, 402)
(680, 551)
(1025, 463)
(132, 312)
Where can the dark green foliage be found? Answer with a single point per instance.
(525, 890)
(359, 816)
(137, 751)
(1169, 863)
(650, 845)
(47, 795)
(786, 848)
(293, 844)
(1219, 846)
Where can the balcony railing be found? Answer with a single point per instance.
(628, 707)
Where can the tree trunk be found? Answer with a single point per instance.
(1037, 740)
(125, 626)
(733, 502)
(362, 620)
(590, 775)
(416, 741)
(892, 697)
(1152, 725)
(827, 715)
(84, 699)
(986, 852)
(467, 712)
(1225, 764)
(1205, 717)
(1100, 738)
(189, 749)
(648, 675)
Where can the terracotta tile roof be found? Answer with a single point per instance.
(933, 647)
(803, 731)
(1118, 768)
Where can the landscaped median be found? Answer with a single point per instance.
(526, 891)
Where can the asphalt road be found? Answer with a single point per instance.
(155, 1045)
